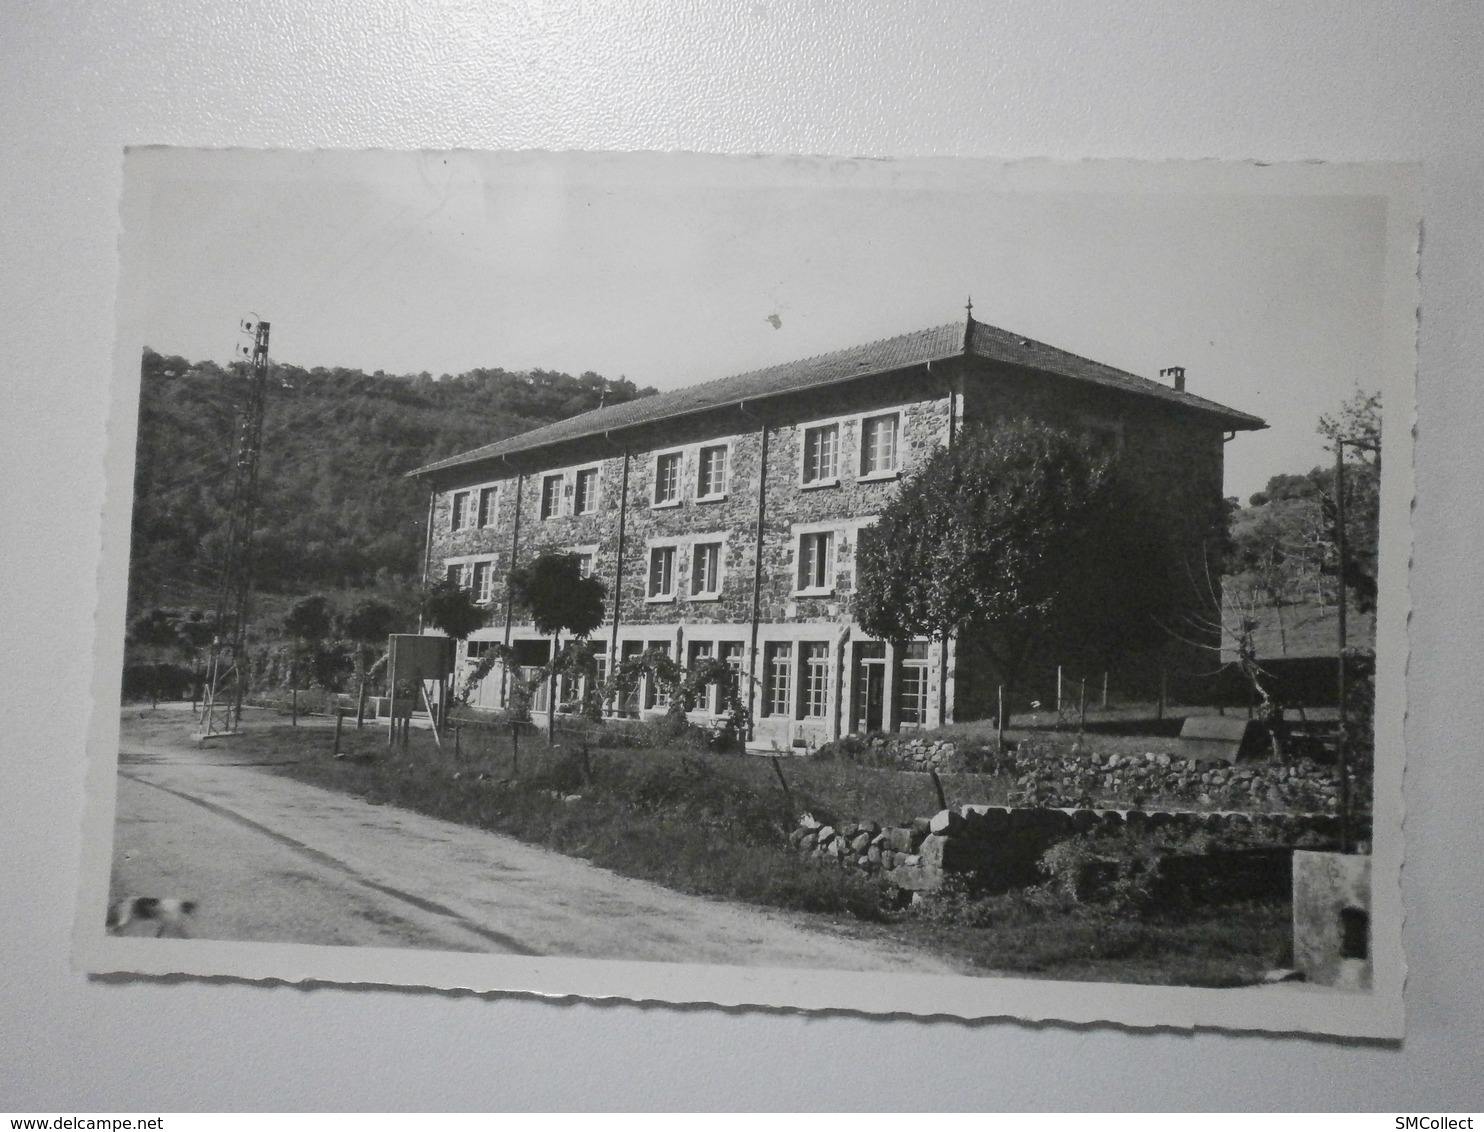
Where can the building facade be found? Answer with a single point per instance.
(724, 517)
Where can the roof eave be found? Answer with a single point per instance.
(459, 462)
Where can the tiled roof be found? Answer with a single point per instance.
(826, 369)
(1000, 345)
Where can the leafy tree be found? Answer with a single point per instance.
(451, 609)
(174, 633)
(308, 623)
(1279, 542)
(1019, 539)
(1356, 429)
(552, 589)
(1286, 540)
(367, 623)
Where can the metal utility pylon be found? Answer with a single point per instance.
(222, 711)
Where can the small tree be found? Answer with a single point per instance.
(367, 623)
(557, 596)
(1021, 537)
(308, 622)
(451, 609)
(1357, 427)
(195, 631)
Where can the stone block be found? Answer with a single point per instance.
(945, 822)
(860, 842)
(1332, 918)
(899, 840)
(915, 878)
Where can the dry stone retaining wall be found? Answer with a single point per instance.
(1001, 845)
(1048, 774)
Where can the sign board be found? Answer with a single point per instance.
(413, 657)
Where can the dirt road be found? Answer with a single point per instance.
(271, 859)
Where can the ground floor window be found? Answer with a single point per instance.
(697, 654)
(815, 692)
(870, 686)
(731, 653)
(656, 695)
(631, 698)
(778, 663)
(912, 685)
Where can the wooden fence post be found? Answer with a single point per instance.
(339, 724)
(293, 707)
(938, 786)
(778, 770)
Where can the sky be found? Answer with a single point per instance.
(1268, 286)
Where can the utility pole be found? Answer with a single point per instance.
(223, 708)
(1343, 690)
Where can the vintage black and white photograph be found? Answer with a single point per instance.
(927, 587)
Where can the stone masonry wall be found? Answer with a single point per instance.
(1053, 775)
(1000, 846)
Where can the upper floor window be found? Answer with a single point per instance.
(585, 492)
(484, 582)
(711, 472)
(551, 496)
(661, 573)
(817, 562)
(667, 478)
(463, 510)
(822, 454)
(488, 501)
(879, 445)
(705, 569)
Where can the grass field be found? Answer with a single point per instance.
(715, 825)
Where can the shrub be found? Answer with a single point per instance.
(1120, 870)
(858, 749)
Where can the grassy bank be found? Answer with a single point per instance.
(715, 825)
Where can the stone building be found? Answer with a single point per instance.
(724, 516)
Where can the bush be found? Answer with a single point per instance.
(1120, 870)
(858, 749)
(958, 903)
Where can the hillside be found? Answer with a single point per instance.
(336, 512)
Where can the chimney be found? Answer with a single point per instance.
(1177, 374)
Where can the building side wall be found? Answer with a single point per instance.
(1175, 461)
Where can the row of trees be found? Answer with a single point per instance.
(172, 646)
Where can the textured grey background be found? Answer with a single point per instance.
(1335, 81)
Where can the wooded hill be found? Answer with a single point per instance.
(336, 512)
